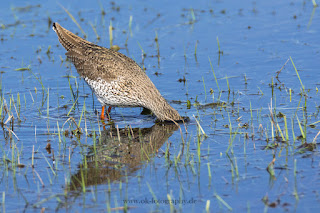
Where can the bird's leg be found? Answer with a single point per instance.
(109, 109)
(102, 113)
(108, 113)
(102, 117)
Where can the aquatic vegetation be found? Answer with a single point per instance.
(251, 94)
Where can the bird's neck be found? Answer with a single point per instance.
(162, 109)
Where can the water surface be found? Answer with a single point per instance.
(216, 162)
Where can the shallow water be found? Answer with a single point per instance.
(216, 162)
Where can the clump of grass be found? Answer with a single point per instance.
(193, 16)
(231, 139)
(83, 183)
(103, 12)
(209, 172)
(23, 68)
(172, 209)
(286, 127)
(95, 31)
(270, 168)
(75, 94)
(314, 3)
(204, 86)
(292, 127)
(48, 50)
(208, 206)
(110, 34)
(195, 49)
(315, 138)
(158, 49)
(295, 180)
(219, 50)
(251, 113)
(279, 129)
(153, 194)
(143, 52)
(301, 130)
(74, 20)
(39, 177)
(49, 165)
(297, 73)
(32, 158)
(187, 154)
(48, 104)
(188, 104)
(290, 93)
(200, 130)
(167, 153)
(260, 91)
(223, 202)
(130, 25)
(73, 106)
(227, 79)
(36, 205)
(215, 78)
(3, 201)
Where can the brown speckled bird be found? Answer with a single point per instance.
(115, 79)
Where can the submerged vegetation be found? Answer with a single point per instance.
(251, 143)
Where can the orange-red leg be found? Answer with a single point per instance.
(102, 113)
(102, 117)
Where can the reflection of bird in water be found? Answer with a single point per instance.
(121, 152)
(115, 79)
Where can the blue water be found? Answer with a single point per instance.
(163, 163)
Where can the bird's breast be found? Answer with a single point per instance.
(112, 93)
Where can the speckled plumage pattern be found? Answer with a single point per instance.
(115, 79)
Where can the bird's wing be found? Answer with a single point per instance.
(88, 65)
